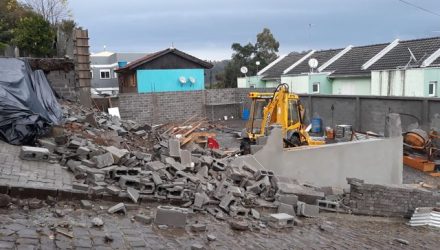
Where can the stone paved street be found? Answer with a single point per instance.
(14, 171)
(32, 229)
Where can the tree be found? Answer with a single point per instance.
(52, 11)
(264, 51)
(11, 11)
(34, 35)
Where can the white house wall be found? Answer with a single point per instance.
(351, 86)
(414, 82)
(397, 82)
(297, 84)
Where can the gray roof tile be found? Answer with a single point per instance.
(351, 62)
(399, 56)
(277, 70)
(322, 56)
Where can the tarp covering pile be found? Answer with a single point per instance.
(28, 106)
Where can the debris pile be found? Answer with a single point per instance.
(109, 156)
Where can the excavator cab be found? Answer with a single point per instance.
(279, 107)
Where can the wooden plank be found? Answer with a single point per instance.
(435, 174)
(419, 163)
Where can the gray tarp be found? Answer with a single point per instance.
(28, 106)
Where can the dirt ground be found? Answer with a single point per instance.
(34, 229)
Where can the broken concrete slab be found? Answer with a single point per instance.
(120, 207)
(171, 216)
(143, 218)
(116, 153)
(174, 147)
(133, 194)
(103, 160)
(286, 209)
(369, 155)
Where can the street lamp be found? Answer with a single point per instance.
(258, 64)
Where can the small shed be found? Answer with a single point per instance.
(163, 71)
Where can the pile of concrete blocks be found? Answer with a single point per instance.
(108, 160)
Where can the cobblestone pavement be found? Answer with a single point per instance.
(31, 229)
(16, 172)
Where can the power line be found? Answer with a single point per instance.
(419, 7)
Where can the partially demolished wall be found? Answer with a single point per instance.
(389, 200)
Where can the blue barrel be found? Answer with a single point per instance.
(316, 125)
(245, 114)
(122, 64)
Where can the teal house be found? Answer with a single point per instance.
(398, 68)
(168, 70)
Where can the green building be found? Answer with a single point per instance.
(399, 68)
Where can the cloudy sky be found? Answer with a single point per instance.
(207, 28)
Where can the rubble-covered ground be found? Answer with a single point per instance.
(37, 229)
(99, 157)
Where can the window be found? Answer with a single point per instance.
(104, 73)
(115, 74)
(315, 87)
(432, 88)
(252, 86)
(91, 74)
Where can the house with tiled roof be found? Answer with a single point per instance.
(398, 68)
(163, 71)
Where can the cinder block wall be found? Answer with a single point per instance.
(156, 108)
(63, 83)
(379, 200)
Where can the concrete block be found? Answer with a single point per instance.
(80, 186)
(34, 153)
(174, 147)
(185, 158)
(197, 246)
(307, 210)
(128, 181)
(50, 145)
(281, 220)
(238, 211)
(88, 163)
(133, 194)
(143, 218)
(261, 173)
(103, 160)
(198, 227)
(327, 205)
(259, 186)
(227, 201)
(83, 151)
(116, 153)
(290, 199)
(155, 165)
(86, 204)
(200, 199)
(286, 208)
(113, 190)
(171, 216)
(120, 207)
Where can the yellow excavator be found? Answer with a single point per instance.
(279, 107)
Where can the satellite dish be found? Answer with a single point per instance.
(244, 70)
(192, 80)
(313, 63)
(182, 80)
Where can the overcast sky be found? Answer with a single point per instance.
(207, 28)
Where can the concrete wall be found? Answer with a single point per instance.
(377, 161)
(363, 112)
(63, 83)
(156, 108)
